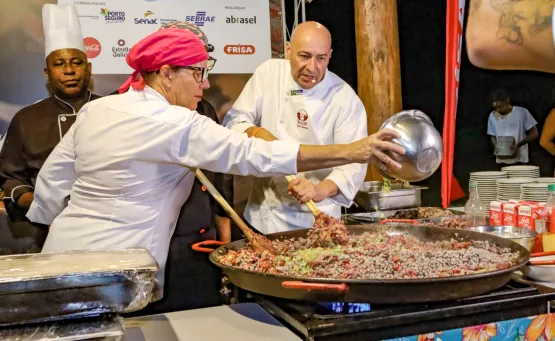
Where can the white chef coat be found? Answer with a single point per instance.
(329, 113)
(127, 167)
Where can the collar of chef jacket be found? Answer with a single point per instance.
(66, 106)
(319, 90)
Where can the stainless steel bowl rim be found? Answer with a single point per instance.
(520, 232)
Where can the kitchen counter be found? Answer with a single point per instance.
(247, 321)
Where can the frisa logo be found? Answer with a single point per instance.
(239, 49)
(92, 47)
(200, 18)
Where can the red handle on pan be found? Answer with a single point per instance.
(199, 246)
(407, 221)
(541, 254)
(314, 286)
(542, 262)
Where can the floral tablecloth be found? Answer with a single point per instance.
(536, 328)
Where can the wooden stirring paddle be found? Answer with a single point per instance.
(257, 241)
(310, 204)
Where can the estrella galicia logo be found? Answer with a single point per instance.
(146, 20)
(112, 17)
(121, 50)
(200, 18)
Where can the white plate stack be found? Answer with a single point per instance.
(534, 192)
(522, 171)
(487, 185)
(504, 144)
(545, 180)
(509, 189)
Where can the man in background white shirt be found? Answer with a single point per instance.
(509, 120)
(299, 100)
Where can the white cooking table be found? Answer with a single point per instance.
(245, 322)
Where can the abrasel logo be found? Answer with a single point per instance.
(235, 20)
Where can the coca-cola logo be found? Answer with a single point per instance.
(92, 47)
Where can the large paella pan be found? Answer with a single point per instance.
(377, 291)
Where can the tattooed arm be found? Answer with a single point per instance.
(511, 34)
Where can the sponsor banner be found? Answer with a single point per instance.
(239, 30)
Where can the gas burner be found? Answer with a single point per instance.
(346, 308)
(362, 321)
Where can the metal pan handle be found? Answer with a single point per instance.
(406, 221)
(199, 246)
(314, 286)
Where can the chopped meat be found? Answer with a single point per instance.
(327, 232)
(453, 222)
(422, 213)
(375, 256)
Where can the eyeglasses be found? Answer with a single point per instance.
(201, 73)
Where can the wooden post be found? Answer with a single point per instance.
(378, 63)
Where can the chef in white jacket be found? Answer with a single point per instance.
(299, 100)
(122, 172)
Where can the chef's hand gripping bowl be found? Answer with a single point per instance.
(422, 142)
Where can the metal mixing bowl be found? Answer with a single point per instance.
(422, 142)
(522, 235)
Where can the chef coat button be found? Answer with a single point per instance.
(203, 188)
(287, 99)
(63, 118)
(281, 121)
(202, 231)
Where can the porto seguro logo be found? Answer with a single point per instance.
(200, 18)
(112, 17)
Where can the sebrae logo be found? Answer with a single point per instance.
(234, 20)
(239, 49)
(92, 47)
(145, 20)
(200, 18)
(112, 17)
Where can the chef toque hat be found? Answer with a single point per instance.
(61, 28)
